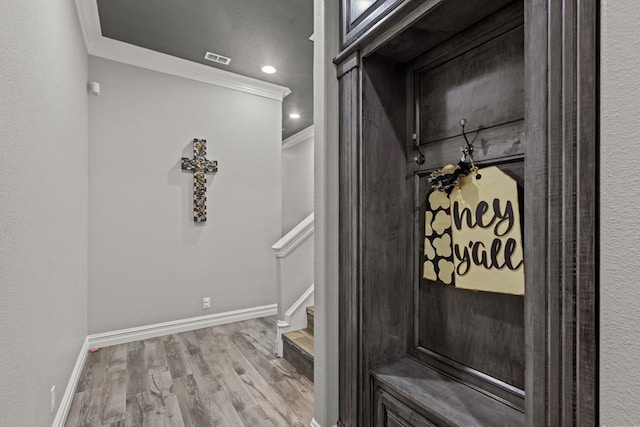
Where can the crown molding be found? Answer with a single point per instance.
(295, 139)
(115, 50)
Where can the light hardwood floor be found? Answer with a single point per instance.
(221, 376)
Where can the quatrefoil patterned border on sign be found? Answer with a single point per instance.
(438, 257)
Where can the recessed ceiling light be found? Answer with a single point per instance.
(294, 115)
(269, 69)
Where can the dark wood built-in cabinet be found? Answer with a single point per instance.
(359, 16)
(524, 76)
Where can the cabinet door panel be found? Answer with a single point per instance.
(360, 15)
(390, 412)
(484, 85)
(478, 335)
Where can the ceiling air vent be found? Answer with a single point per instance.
(214, 57)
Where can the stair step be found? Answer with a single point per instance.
(298, 350)
(303, 339)
(310, 318)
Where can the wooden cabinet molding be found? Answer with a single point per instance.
(561, 250)
(354, 26)
(561, 198)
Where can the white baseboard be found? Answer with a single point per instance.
(150, 331)
(69, 392)
(122, 336)
(314, 423)
(295, 318)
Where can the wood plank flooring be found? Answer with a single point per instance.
(221, 376)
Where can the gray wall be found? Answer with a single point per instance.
(148, 261)
(43, 205)
(325, 89)
(297, 183)
(620, 223)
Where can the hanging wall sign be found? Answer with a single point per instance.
(481, 220)
(438, 252)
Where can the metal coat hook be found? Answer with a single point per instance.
(419, 159)
(467, 152)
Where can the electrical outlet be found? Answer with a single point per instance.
(206, 302)
(53, 399)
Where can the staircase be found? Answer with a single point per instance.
(298, 347)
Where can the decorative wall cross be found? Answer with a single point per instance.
(199, 165)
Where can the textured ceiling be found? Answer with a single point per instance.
(252, 33)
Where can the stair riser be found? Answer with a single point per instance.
(300, 360)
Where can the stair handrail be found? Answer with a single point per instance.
(294, 238)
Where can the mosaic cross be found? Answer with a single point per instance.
(199, 165)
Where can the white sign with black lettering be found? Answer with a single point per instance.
(483, 214)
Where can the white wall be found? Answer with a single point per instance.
(297, 178)
(620, 224)
(43, 205)
(148, 261)
(325, 92)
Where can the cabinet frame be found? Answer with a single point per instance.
(561, 207)
(352, 29)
